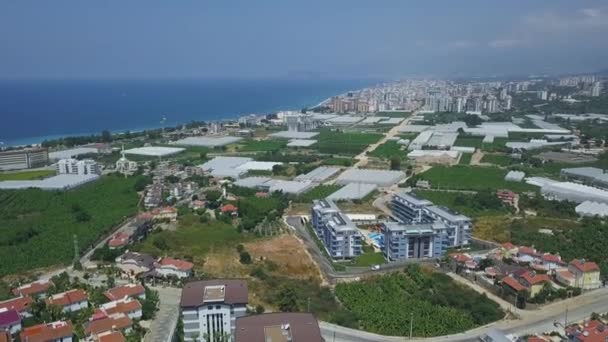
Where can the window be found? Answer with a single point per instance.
(210, 307)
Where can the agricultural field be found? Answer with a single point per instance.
(472, 205)
(461, 177)
(26, 175)
(477, 142)
(497, 159)
(386, 304)
(394, 114)
(388, 150)
(346, 143)
(37, 227)
(338, 161)
(268, 145)
(318, 192)
(465, 159)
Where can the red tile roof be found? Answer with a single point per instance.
(460, 258)
(34, 288)
(566, 274)
(111, 336)
(9, 317)
(534, 278)
(228, 208)
(129, 290)
(512, 283)
(592, 331)
(67, 298)
(20, 304)
(527, 250)
(47, 332)
(585, 266)
(548, 257)
(507, 245)
(113, 322)
(121, 306)
(119, 240)
(179, 264)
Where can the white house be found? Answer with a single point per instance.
(69, 301)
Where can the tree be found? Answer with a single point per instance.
(259, 309)
(245, 258)
(395, 163)
(106, 136)
(213, 195)
(288, 299)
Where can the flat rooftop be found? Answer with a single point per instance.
(352, 191)
(154, 151)
(370, 176)
(214, 293)
(319, 174)
(209, 141)
(294, 135)
(59, 182)
(301, 143)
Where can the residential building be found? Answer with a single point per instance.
(133, 263)
(10, 321)
(165, 213)
(409, 208)
(23, 159)
(534, 282)
(589, 331)
(59, 331)
(110, 336)
(21, 304)
(507, 197)
(404, 241)
(135, 291)
(596, 89)
(339, 235)
(169, 267)
(77, 167)
(36, 289)
(278, 327)
(210, 308)
(552, 262)
(511, 284)
(586, 274)
(100, 324)
(527, 254)
(5, 336)
(69, 301)
(128, 306)
(119, 240)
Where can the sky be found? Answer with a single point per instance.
(332, 39)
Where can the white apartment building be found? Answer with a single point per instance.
(77, 167)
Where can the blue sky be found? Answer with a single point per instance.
(292, 39)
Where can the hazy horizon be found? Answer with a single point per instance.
(68, 39)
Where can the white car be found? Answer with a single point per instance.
(375, 267)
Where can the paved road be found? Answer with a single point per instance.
(362, 157)
(164, 323)
(532, 321)
(126, 226)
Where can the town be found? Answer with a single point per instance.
(464, 210)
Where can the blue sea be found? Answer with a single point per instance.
(32, 111)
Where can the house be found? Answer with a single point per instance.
(551, 261)
(511, 284)
(229, 209)
(165, 213)
(107, 323)
(591, 331)
(59, 331)
(174, 267)
(534, 282)
(586, 274)
(212, 306)
(34, 289)
(133, 263)
(262, 194)
(527, 254)
(69, 301)
(130, 307)
(119, 240)
(135, 291)
(507, 197)
(10, 321)
(198, 204)
(565, 278)
(279, 326)
(110, 336)
(21, 304)
(5, 336)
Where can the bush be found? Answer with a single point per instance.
(245, 258)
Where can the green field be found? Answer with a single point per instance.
(461, 177)
(497, 159)
(319, 192)
(474, 141)
(193, 240)
(26, 175)
(368, 259)
(37, 227)
(337, 161)
(439, 306)
(465, 204)
(388, 150)
(251, 145)
(394, 114)
(347, 143)
(465, 159)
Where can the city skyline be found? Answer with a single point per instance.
(67, 39)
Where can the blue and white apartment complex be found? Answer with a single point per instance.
(340, 236)
(424, 230)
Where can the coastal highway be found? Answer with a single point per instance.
(531, 321)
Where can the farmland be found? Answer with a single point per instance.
(386, 304)
(465, 159)
(388, 150)
(497, 159)
(394, 114)
(26, 175)
(37, 227)
(347, 143)
(477, 142)
(320, 191)
(252, 145)
(461, 177)
(481, 204)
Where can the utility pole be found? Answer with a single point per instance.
(411, 324)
